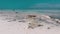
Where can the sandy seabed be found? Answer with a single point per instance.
(15, 23)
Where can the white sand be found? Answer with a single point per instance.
(15, 27)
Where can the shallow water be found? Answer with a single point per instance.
(52, 13)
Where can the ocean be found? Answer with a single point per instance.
(25, 4)
(48, 7)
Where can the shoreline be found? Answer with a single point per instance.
(16, 22)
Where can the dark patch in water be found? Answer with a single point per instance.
(16, 12)
(55, 17)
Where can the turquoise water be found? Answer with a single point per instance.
(29, 4)
(41, 5)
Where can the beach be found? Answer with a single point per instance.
(18, 23)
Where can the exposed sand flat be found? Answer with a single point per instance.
(17, 23)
